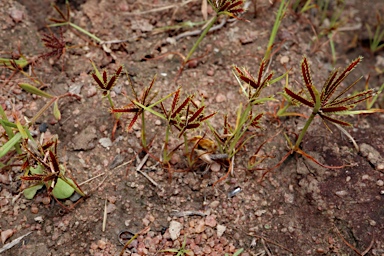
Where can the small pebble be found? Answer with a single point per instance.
(341, 193)
(46, 200)
(220, 230)
(112, 199)
(210, 72)
(16, 15)
(174, 229)
(158, 122)
(101, 244)
(284, 60)
(34, 209)
(214, 204)
(211, 221)
(200, 227)
(380, 183)
(215, 167)
(220, 98)
(372, 223)
(105, 142)
(43, 127)
(6, 234)
(111, 208)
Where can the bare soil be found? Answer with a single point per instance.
(298, 209)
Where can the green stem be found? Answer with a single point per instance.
(85, 32)
(315, 111)
(302, 133)
(165, 150)
(116, 115)
(110, 100)
(208, 27)
(279, 17)
(143, 137)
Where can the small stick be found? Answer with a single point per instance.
(123, 164)
(271, 242)
(188, 213)
(138, 169)
(144, 231)
(105, 215)
(89, 180)
(13, 243)
(348, 244)
(142, 162)
(163, 8)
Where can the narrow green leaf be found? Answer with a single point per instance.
(32, 89)
(21, 130)
(9, 144)
(56, 111)
(97, 73)
(238, 252)
(7, 127)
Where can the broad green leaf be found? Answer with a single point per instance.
(32, 89)
(30, 192)
(56, 111)
(37, 170)
(62, 189)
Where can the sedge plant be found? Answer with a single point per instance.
(323, 103)
(65, 20)
(234, 137)
(230, 8)
(43, 169)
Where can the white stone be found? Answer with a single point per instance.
(174, 229)
(220, 230)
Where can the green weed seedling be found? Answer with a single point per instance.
(376, 39)
(105, 84)
(323, 104)
(65, 20)
(181, 251)
(234, 137)
(229, 8)
(55, 46)
(43, 169)
(15, 131)
(236, 253)
(137, 107)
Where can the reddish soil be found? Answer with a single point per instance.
(299, 208)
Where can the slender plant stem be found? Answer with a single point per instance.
(279, 17)
(303, 131)
(315, 111)
(205, 31)
(143, 137)
(165, 150)
(110, 100)
(85, 32)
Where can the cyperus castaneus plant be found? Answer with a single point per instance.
(42, 168)
(231, 8)
(136, 107)
(235, 137)
(105, 83)
(323, 103)
(65, 20)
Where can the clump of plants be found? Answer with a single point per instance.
(331, 100)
